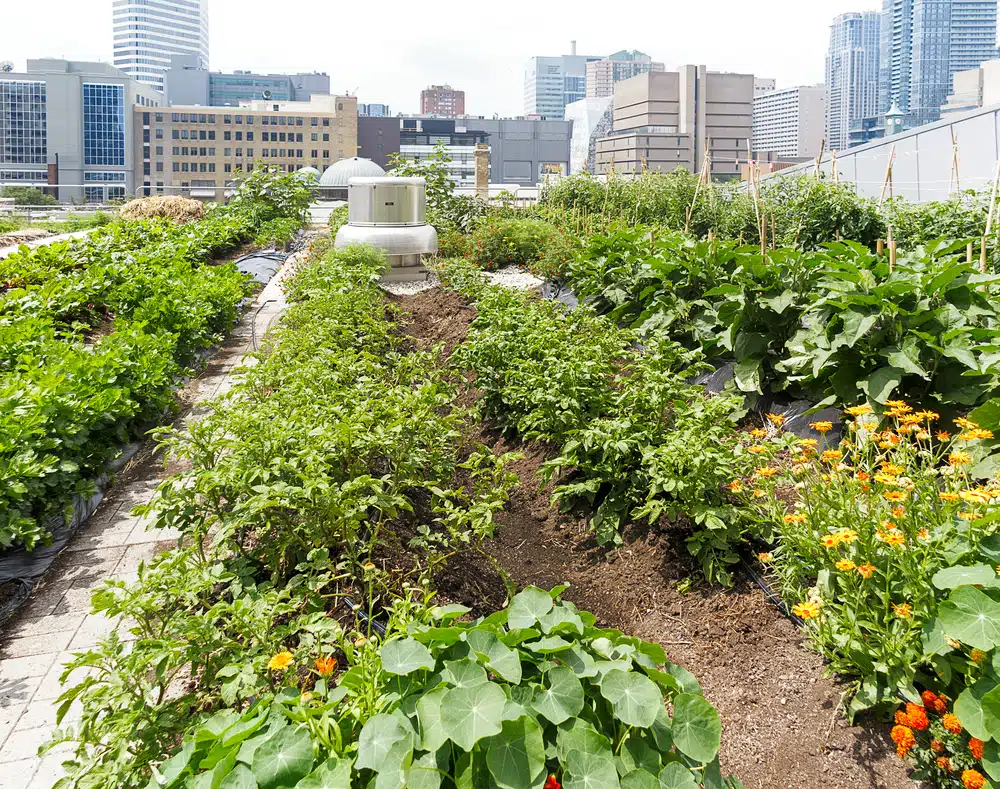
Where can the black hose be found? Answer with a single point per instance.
(773, 597)
(379, 627)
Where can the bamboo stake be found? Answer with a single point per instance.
(879, 247)
(989, 219)
(774, 235)
(892, 251)
(888, 176)
(819, 158)
(954, 162)
(968, 253)
(836, 172)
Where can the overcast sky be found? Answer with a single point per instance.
(481, 48)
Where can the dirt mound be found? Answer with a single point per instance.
(180, 209)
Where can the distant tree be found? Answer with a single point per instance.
(25, 195)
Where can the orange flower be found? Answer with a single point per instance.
(977, 656)
(831, 456)
(807, 610)
(858, 410)
(821, 427)
(976, 434)
(765, 472)
(866, 571)
(795, 517)
(950, 722)
(325, 665)
(898, 404)
(863, 476)
(757, 449)
(929, 698)
(829, 541)
(894, 495)
(898, 512)
(917, 716)
(758, 432)
(893, 469)
(776, 420)
(965, 423)
(765, 557)
(976, 496)
(892, 538)
(943, 763)
(976, 748)
(948, 496)
(937, 746)
(552, 783)
(846, 536)
(808, 443)
(959, 458)
(943, 435)
(904, 739)
(967, 516)
(888, 525)
(923, 534)
(759, 494)
(736, 486)
(845, 565)
(903, 610)
(280, 661)
(972, 780)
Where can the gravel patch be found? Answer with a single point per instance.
(410, 288)
(513, 277)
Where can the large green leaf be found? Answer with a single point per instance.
(991, 711)
(676, 776)
(379, 734)
(971, 617)
(991, 759)
(426, 772)
(640, 779)
(577, 734)
(516, 756)
(969, 709)
(882, 383)
(527, 607)
(469, 714)
(561, 699)
(973, 575)
(240, 778)
(906, 358)
(590, 771)
(696, 729)
(395, 767)
(334, 773)
(580, 660)
(747, 374)
(405, 655)
(562, 619)
(432, 734)
(856, 325)
(465, 673)
(499, 658)
(635, 698)
(283, 759)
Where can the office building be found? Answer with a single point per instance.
(195, 151)
(852, 74)
(974, 88)
(378, 138)
(419, 138)
(442, 101)
(762, 85)
(67, 127)
(374, 110)
(148, 34)
(591, 119)
(604, 73)
(665, 120)
(188, 82)
(924, 43)
(790, 122)
(550, 83)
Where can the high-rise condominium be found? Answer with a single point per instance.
(147, 34)
(852, 74)
(550, 83)
(924, 44)
(604, 73)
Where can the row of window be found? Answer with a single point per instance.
(265, 120)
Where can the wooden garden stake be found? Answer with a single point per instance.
(879, 247)
(888, 176)
(774, 234)
(968, 253)
(819, 158)
(989, 219)
(954, 163)
(892, 251)
(833, 164)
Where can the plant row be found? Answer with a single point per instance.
(96, 334)
(325, 472)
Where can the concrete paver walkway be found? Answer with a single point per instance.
(55, 622)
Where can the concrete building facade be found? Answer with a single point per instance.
(525, 152)
(604, 73)
(666, 120)
(550, 83)
(187, 83)
(762, 85)
(442, 101)
(195, 151)
(148, 33)
(790, 122)
(852, 74)
(374, 110)
(67, 127)
(974, 88)
(378, 138)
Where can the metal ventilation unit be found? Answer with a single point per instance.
(391, 213)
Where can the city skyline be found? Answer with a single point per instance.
(438, 51)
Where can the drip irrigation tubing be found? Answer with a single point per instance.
(365, 617)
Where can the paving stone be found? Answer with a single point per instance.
(24, 743)
(44, 599)
(50, 688)
(36, 645)
(111, 537)
(9, 717)
(17, 775)
(94, 628)
(141, 535)
(93, 566)
(43, 713)
(135, 555)
(50, 769)
(41, 625)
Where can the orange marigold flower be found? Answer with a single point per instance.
(941, 705)
(950, 722)
(845, 565)
(917, 716)
(894, 495)
(904, 739)
(898, 512)
(977, 656)
(897, 404)
(959, 458)
(821, 427)
(887, 524)
(866, 571)
(831, 456)
(892, 538)
(829, 541)
(846, 536)
(930, 416)
(976, 496)
(736, 486)
(967, 516)
(946, 496)
(972, 779)
(943, 435)
(863, 476)
(767, 471)
(858, 410)
(943, 763)
(937, 746)
(765, 557)
(903, 610)
(807, 610)
(965, 423)
(976, 748)
(795, 517)
(776, 419)
(893, 469)
(325, 665)
(758, 432)
(890, 480)
(808, 443)
(280, 661)
(757, 450)
(929, 698)
(901, 718)
(923, 534)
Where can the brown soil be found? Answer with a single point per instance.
(782, 728)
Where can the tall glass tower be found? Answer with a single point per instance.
(147, 34)
(924, 44)
(852, 74)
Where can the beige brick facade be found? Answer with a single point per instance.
(195, 151)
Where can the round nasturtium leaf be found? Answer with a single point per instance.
(527, 607)
(405, 655)
(379, 734)
(240, 778)
(634, 697)
(432, 734)
(284, 758)
(562, 699)
(499, 658)
(334, 773)
(640, 779)
(577, 734)
(464, 673)
(516, 756)
(676, 776)
(469, 714)
(972, 617)
(696, 729)
(590, 771)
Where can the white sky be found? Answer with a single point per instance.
(480, 47)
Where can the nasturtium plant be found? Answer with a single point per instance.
(532, 691)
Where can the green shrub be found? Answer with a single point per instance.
(506, 242)
(277, 232)
(26, 195)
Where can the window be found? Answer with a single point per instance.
(159, 117)
(340, 106)
(239, 135)
(159, 167)
(314, 121)
(211, 167)
(239, 119)
(175, 135)
(315, 154)
(211, 119)
(281, 120)
(211, 134)
(175, 117)
(227, 151)
(227, 135)
(211, 151)
(249, 120)
(326, 138)
(177, 167)
(315, 137)
(282, 137)
(184, 151)
(298, 137)
(103, 124)
(227, 167)
(23, 114)
(159, 134)
(202, 135)
(176, 151)
(267, 154)
(298, 121)
(202, 118)
(326, 154)
(202, 152)
(184, 117)
(326, 121)
(249, 137)
(250, 153)
(239, 151)
(265, 121)
(202, 167)
(227, 119)
(274, 152)
(159, 150)
(298, 154)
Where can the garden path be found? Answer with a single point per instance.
(42, 242)
(55, 621)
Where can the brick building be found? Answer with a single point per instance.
(442, 101)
